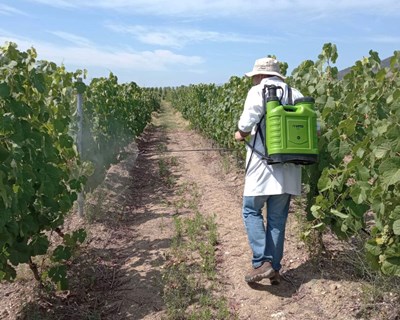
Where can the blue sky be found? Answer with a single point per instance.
(158, 43)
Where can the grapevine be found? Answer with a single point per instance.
(40, 169)
(355, 187)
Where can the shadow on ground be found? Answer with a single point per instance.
(99, 287)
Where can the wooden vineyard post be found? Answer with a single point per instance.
(79, 99)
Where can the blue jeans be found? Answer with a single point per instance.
(267, 241)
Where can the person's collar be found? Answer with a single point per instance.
(274, 78)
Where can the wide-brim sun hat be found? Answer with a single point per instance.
(267, 66)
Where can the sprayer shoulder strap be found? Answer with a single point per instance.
(259, 129)
(290, 96)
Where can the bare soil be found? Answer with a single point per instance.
(117, 274)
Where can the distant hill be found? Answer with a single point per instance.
(342, 73)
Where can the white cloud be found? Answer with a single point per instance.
(59, 3)
(9, 11)
(79, 41)
(179, 37)
(86, 56)
(218, 8)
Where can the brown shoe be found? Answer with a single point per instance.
(262, 272)
(276, 278)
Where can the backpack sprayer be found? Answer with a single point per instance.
(291, 130)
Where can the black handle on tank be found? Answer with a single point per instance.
(272, 92)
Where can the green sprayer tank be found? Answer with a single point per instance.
(291, 130)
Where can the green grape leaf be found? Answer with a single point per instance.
(358, 192)
(19, 253)
(395, 214)
(61, 253)
(80, 86)
(58, 274)
(39, 82)
(4, 90)
(380, 152)
(28, 225)
(66, 141)
(79, 235)
(4, 153)
(60, 124)
(20, 109)
(390, 171)
(396, 227)
(391, 266)
(39, 245)
(372, 247)
(7, 272)
(339, 214)
(363, 173)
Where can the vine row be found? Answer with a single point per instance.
(41, 172)
(355, 187)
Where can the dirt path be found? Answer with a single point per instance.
(309, 291)
(118, 274)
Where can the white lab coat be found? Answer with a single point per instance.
(263, 179)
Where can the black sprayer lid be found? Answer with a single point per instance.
(272, 99)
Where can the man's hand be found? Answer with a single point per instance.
(240, 135)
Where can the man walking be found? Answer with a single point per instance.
(270, 185)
